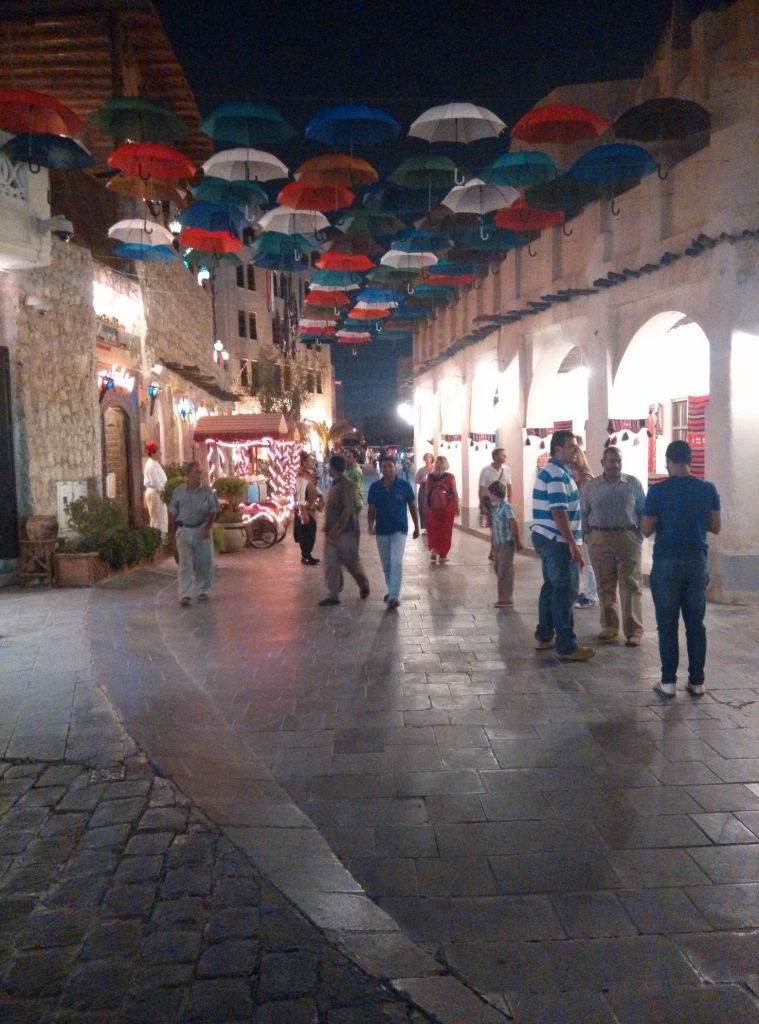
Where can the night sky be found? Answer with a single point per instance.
(404, 56)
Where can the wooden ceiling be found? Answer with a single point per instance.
(83, 51)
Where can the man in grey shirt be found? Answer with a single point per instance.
(192, 511)
(612, 506)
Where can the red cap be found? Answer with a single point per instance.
(151, 447)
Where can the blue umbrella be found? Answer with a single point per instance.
(403, 202)
(373, 295)
(421, 241)
(351, 124)
(519, 169)
(618, 165)
(246, 123)
(146, 253)
(271, 261)
(56, 151)
(212, 217)
(495, 239)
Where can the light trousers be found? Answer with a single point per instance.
(391, 547)
(504, 570)
(195, 555)
(616, 558)
(157, 511)
(342, 553)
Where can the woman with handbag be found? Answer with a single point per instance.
(309, 501)
(442, 502)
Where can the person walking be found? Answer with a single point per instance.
(341, 535)
(154, 481)
(581, 474)
(193, 509)
(506, 542)
(442, 502)
(309, 501)
(496, 470)
(354, 473)
(420, 479)
(556, 536)
(612, 506)
(680, 511)
(390, 500)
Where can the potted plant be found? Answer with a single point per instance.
(230, 489)
(105, 541)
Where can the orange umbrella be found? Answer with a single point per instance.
(26, 111)
(209, 241)
(368, 314)
(151, 160)
(344, 261)
(336, 169)
(299, 196)
(137, 188)
(520, 216)
(559, 122)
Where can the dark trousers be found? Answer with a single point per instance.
(557, 595)
(305, 536)
(678, 586)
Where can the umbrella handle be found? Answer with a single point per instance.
(483, 233)
(249, 213)
(495, 268)
(378, 327)
(141, 176)
(530, 253)
(34, 168)
(661, 177)
(409, 288)
(476, 285)
(614, 211)
(146, 230)
(564, 231)
(458, 178)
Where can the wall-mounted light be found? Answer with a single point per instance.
(106, 384)
(154, 389)
(184, 408)
(224, 355)
(218, 345)
(175, 227)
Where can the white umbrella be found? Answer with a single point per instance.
(293, 222)
(139, 231)
(319, 287)
(408, 260)
(474, 196)
(244, 164)
(457, 122)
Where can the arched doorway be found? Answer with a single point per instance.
(558, 399)
(117, 476)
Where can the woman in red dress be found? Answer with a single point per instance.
(442, 508)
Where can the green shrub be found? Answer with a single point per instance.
(128, 545)
(94, 519)
(218, 538)
(170, 486)
(229, 515)
(230, 488)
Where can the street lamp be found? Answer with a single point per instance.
(406, 412)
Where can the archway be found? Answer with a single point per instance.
(451, 394)
(558, 398)
(117, 457)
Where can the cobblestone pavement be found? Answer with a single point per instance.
(553, 837)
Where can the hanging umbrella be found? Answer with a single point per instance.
(421, 241)
(559, 122)
(245, 165)
(476, 197)
(408, 260)
(150, 189)
(245, 123)
(457, 122)
(300, 196)
(274, 243)
(385, 296)
(493, 238)
(287, 221)
(351, 125)
(315, 321)
(337, 169)
(564, 193)
(57, 151)
(270, 261)
(425, 172)
(344, 261)
(520, 169)
(205, 259)
(212, 217)
(211, 241)
(661, 119)
(333, 298)
(243, 194)
(335, 278)
(151, 160)
(391, 276)
(368, 313)
(24, 110)
(369, 222)
(617, 165)
(139, 231)
(404, 203)
(138, 119)
(353, 334)
(146, 253)
(520, 216)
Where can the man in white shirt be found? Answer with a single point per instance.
(496, 471)
(154, 480)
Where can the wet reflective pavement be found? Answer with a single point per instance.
(451, 809)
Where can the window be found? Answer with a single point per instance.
(252, 326)
(251, 273)
(245, 372)
(254, 379)
(240, 276)
(242, 321)
(310, 382)
(319, 382)
(680, 419)
(288, 377)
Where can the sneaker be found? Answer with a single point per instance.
(310, 561)
(386, 598)
(393, 602)
(696, 689)
(665, 689)
(363, 592)
(606, 635)
(584, 602)
(329, 601)
(203, 596)
(185, 601)
(579, 654)
(543, 645)
(633, 641)
(443, 558)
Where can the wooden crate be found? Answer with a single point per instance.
(79, 569)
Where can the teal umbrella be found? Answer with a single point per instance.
(239, 193)
(273, 243)
(425, 172)
(139, 119)
(520, 169)
(246, 123)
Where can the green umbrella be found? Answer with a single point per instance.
(246, 123)
(238, 193)
(369, 222)
(138, 119)
(425, 172)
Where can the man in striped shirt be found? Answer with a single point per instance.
(556, 536)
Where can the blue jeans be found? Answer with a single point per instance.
(391, 547)
(678, 585)
(561, 579)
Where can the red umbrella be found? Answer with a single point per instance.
(344, 261)
(445, 280)
(368, 314)
(151, 160)
(326, 330)
(24, 110)
(209, 241)
(520, 216)
(319, 298)
(299, 196)
(559, 122)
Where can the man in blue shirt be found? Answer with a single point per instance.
(680, 511)
(390, 499)
(557, 535)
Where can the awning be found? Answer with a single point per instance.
(244, 428)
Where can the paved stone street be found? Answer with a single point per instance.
(457, 814)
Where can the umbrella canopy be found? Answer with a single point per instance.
(56, 151)
(337, 169)
(520, 169)
(385, 296)
(350, 335)
(138, 119)
(474, 196)
(245, 165)
(342, 279)
(408, 260)
(615, 162)
(212, 217)
(559, 122)
(522, 217)
(344, 261)
(146, 253)
(457, 122)
(139, 231)
(270, 261)
(246, 123)
(211, 241)
(369, 222)
(300, 196)
(150, 188)
(402, 202)
(368, 313)
(324, 299)
(240, 193)
(661, 119)
(352, 125)
(293, 222)
(25, 110)
(151, 160)
(274, 243)
(425, 172)
(564, 193)
(421, 241)
(494, 239)
(393, 276)
(199, 258)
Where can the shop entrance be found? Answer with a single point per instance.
(117, 482)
